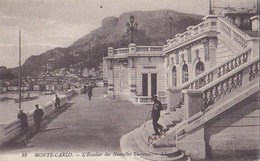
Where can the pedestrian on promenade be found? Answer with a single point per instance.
(37, 116)
(24, 121)
(156, 111)
(89, 92)
(57, 101)
(85, 89)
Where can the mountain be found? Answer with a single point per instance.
(153, 29)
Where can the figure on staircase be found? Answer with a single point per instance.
(157, 107)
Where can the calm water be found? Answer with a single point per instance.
(9, 109)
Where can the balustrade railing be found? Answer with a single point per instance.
(229, 83)
(142, 100)
(139, 48)
(220, 91)
(235, 34)
(192, 32)
(122, 51)
(12, 129)
(220, 70)
(148, 99)
(149, 48)
(214, 73)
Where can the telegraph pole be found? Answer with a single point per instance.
(20, 79)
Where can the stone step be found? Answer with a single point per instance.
(129, 143)
(178, 114)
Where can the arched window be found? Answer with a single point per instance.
(185, 73)
(199, 68)
(174, 76)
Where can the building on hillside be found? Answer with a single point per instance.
(50, 87)
(210, 77)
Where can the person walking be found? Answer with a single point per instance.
(24, 121)
(156, 111)
(37, 116)
(57, 102)
(85, 89)
(89, 92)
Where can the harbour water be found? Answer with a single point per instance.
(9, 109)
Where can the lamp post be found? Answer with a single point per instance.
(170, 18)
(132, 27)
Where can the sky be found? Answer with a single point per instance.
(46, 24)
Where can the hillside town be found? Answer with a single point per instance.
(55, 80)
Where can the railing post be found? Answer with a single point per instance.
(193, 102)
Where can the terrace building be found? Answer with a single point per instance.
(209, 78)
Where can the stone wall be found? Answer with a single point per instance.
(236, 132)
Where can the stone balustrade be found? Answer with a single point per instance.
(201, 105)
(209, 24)
(12, 129)
(133, 49)
(210, 75)
(142, 100)
(234, 33)
(148, 99)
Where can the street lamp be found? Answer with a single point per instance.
(132, 27)
(170, 18)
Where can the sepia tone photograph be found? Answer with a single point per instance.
(129, 80)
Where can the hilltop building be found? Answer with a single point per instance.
(209, 78)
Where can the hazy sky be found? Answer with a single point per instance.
(46, 24)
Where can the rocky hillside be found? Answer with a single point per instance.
(153, 29)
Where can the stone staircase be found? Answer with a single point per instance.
(139, 141)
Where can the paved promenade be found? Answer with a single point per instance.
(87, 126)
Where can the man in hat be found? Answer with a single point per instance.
(57, 101)
(156, 111)
(37, 116)
(24, 121)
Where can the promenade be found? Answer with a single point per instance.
(86, 126)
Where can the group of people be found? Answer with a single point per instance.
(38, 113)
(88, 89)
(37, 116)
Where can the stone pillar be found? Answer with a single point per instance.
(132, 80)
(174, 99)
(255, 23)
(212, 47)
(132, 48)
(110, 51)
(110, 90)
(149, 84)
(193, 102)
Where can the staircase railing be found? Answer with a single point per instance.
(221, 90)
(234, 33)
(214, 73)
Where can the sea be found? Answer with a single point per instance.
(9, 109)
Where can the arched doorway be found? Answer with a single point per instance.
(185, 73)
(174, 76)
(199, 68)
